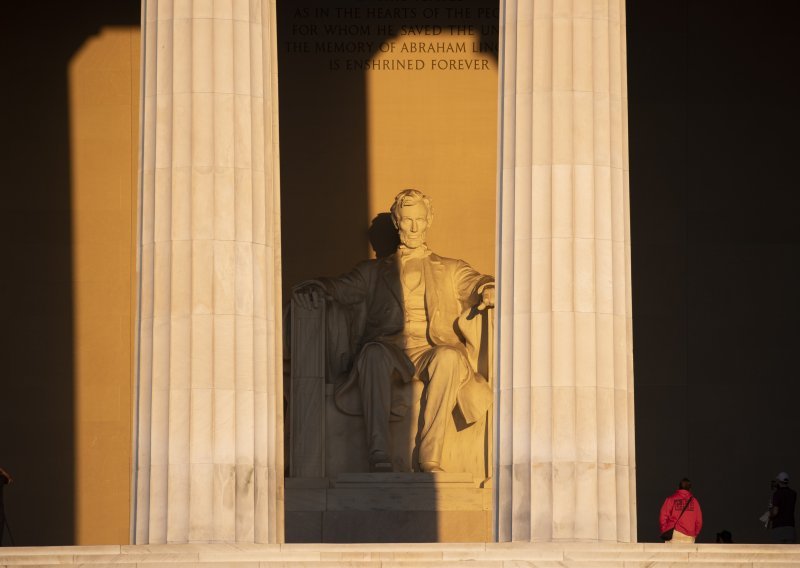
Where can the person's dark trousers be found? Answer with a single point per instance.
(2, 514)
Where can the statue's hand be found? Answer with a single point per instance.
(309, 295)
(487, 298)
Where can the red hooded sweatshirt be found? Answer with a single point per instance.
(692, 520)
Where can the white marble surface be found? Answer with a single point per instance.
(565, 409)
(503, 555)
(374, 507)
(209, 456)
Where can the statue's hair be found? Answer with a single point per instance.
(409, 197)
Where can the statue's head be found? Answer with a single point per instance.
(412, 214)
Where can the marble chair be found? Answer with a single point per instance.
(325, 442)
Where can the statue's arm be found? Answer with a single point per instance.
(473, 287)
(349, 288)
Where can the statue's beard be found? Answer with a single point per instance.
(412, 241)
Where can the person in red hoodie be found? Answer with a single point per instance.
(681, 511)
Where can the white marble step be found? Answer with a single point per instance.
(477, 555)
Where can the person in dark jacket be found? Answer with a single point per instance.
(781, 515)
(681, 512)
(5, 479)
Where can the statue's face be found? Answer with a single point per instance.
(413, 224)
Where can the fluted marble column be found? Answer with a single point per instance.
(209, 451)
(565, 426)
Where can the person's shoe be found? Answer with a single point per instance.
(431, 467)
(380, 462)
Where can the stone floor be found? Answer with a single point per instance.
(477, 555)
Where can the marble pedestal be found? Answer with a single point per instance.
(388, 507)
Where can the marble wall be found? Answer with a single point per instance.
(352, 138)
(67, 280)
(716, 256)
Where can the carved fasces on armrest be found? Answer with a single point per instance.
(344, 328)
(307, 403)
(475, 397)
(477, 328)
(322, 346)
(341, 327)
(308, 340)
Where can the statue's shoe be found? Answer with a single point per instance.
(431, 467)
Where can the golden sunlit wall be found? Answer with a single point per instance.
(69, 154)
(435, 130)
(103, 124)
(377, 98)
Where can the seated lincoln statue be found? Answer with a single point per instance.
(411, 303)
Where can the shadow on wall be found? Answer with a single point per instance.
(37, 405)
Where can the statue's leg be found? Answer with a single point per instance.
(447, 368)
(375, 369)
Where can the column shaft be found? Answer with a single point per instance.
(209, 410)
(565, 410)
